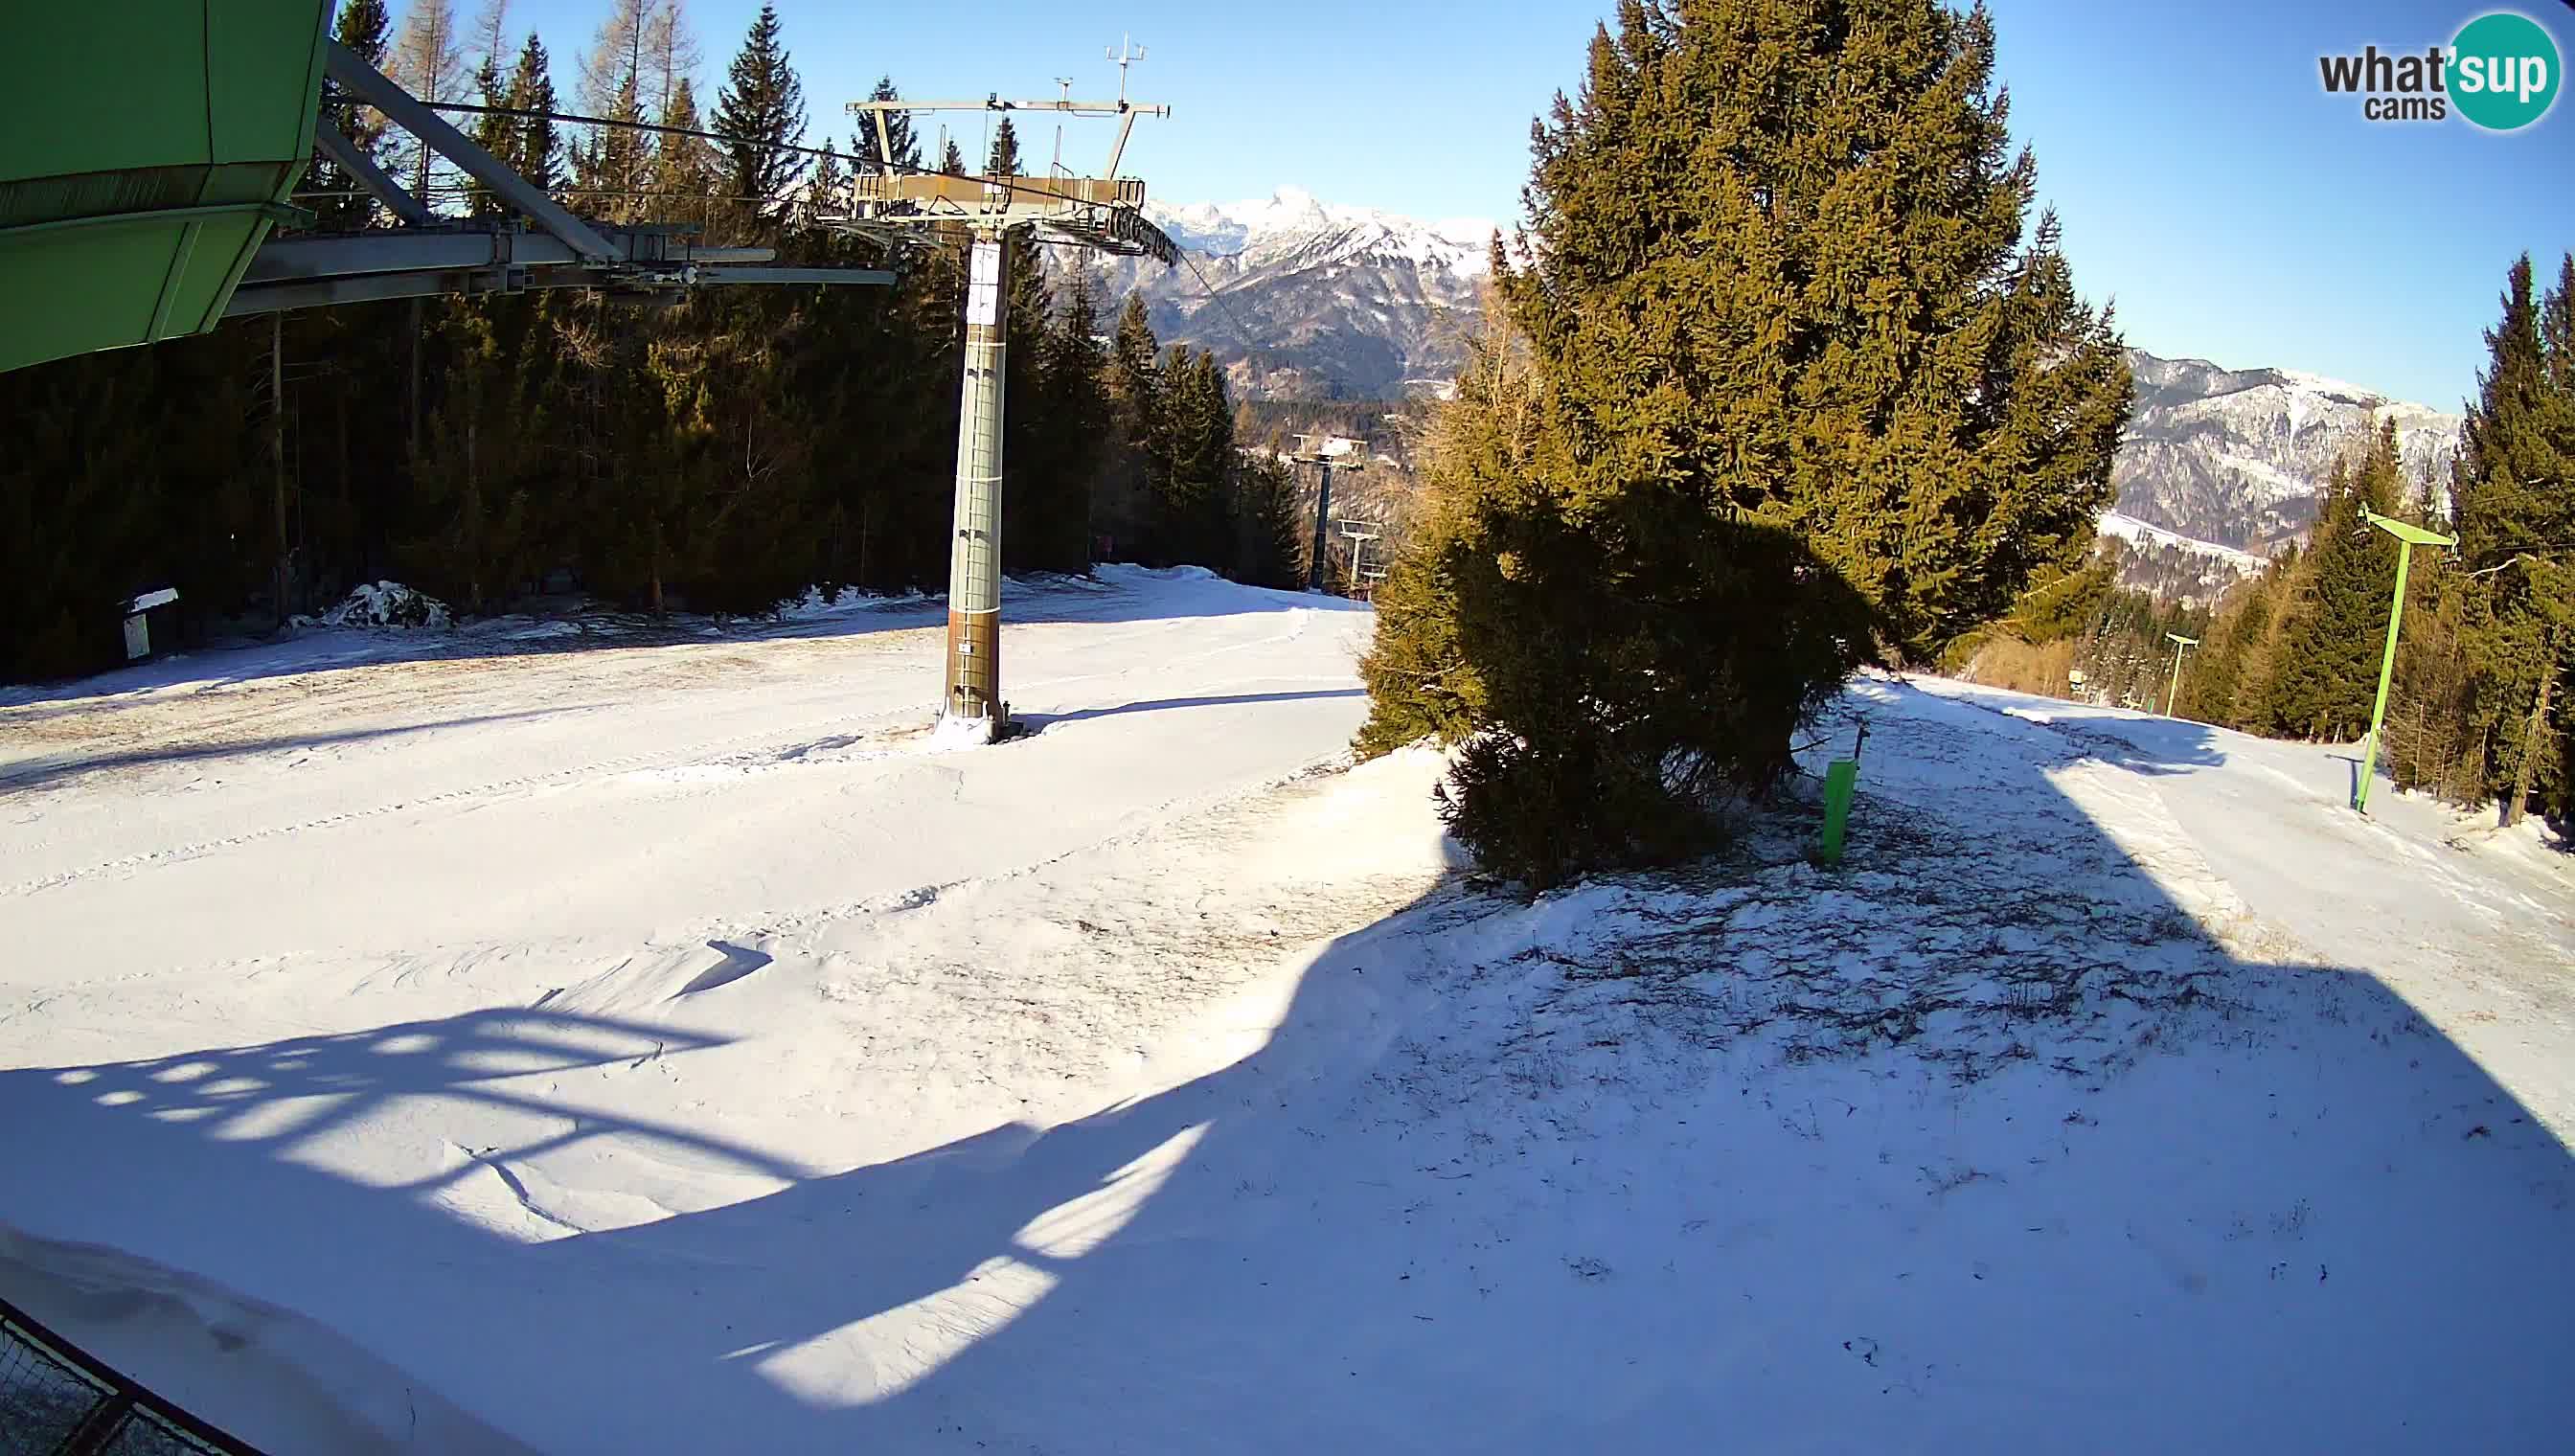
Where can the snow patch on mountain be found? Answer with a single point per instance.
(2239, 457)
(1292, 225)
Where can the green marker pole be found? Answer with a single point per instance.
(2408, 537)
(2172, 693)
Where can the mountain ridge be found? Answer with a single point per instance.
(1307, 300)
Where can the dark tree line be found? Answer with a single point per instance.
(724, 453)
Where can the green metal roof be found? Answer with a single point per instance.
(147, 149)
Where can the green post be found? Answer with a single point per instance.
(1839, 780)
(2172, 694)
(2408, 537)
(2386, 671)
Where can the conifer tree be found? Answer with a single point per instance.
(430, 64)
(497, 134)
(1126, 506)
(952, 161)
(1797, 375)
(907, 146)
(2325, 676)
(684, 167)
(1077, 410)
(761, 108)
(1005, 160)
(1825, 275)
(538, 150)
(342, 205)
(2514, 501)
(1268, 525)
(830, 181)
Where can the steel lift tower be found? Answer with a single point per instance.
(996, 216)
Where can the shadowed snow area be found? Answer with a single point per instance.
(648, 1046)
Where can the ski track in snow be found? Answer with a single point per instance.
(650, 1048)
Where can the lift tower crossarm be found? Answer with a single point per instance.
(1064, 104)
(369, 85)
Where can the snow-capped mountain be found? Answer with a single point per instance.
(1306, 299)
(2238, 458)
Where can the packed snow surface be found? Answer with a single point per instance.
(632, 1039)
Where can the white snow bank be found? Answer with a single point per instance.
(238, 1364)
(388, 603)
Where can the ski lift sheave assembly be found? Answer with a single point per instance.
(146, 169)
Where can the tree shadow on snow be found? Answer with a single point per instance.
(1534, 1198)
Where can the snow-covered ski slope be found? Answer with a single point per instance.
(644, 1046)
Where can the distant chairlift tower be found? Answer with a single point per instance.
(994, 216)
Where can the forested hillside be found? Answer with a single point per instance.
(2478, 705)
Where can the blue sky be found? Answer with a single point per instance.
(2206, 182)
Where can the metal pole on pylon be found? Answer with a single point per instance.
(2172, 694)
(2407, 537)
(972, 704)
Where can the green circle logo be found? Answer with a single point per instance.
(2504, 71)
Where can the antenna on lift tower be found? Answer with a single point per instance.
(1126, 54)
(996, 215)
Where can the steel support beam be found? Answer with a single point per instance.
(359, 165)
(369, 85)
(465, 245)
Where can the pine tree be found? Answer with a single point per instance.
(1267, 525)
(907, 146)
(429, 63)
(952, 161)
(1813, 300)
(537, 152)
(2325, 677)
(1194, 435)
(824, 191)
(2514, 493)
(1079, 410)
(340, 205)
(1125, 506)
(684, 167)
(761, 108)
(1005, 160)
(493, 133)
(1797, 377)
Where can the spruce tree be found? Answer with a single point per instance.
(1078, 405)
(2324, 681)
(907, 146)
(538, 150)
(2514, 495)
(1194, 437)
(343, 205)
(761, 109)
(1005, 158)
(497, 134)
(952, 161)
(1781, 267)
(1797, 375)
(1130, 483)
(684, 169)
